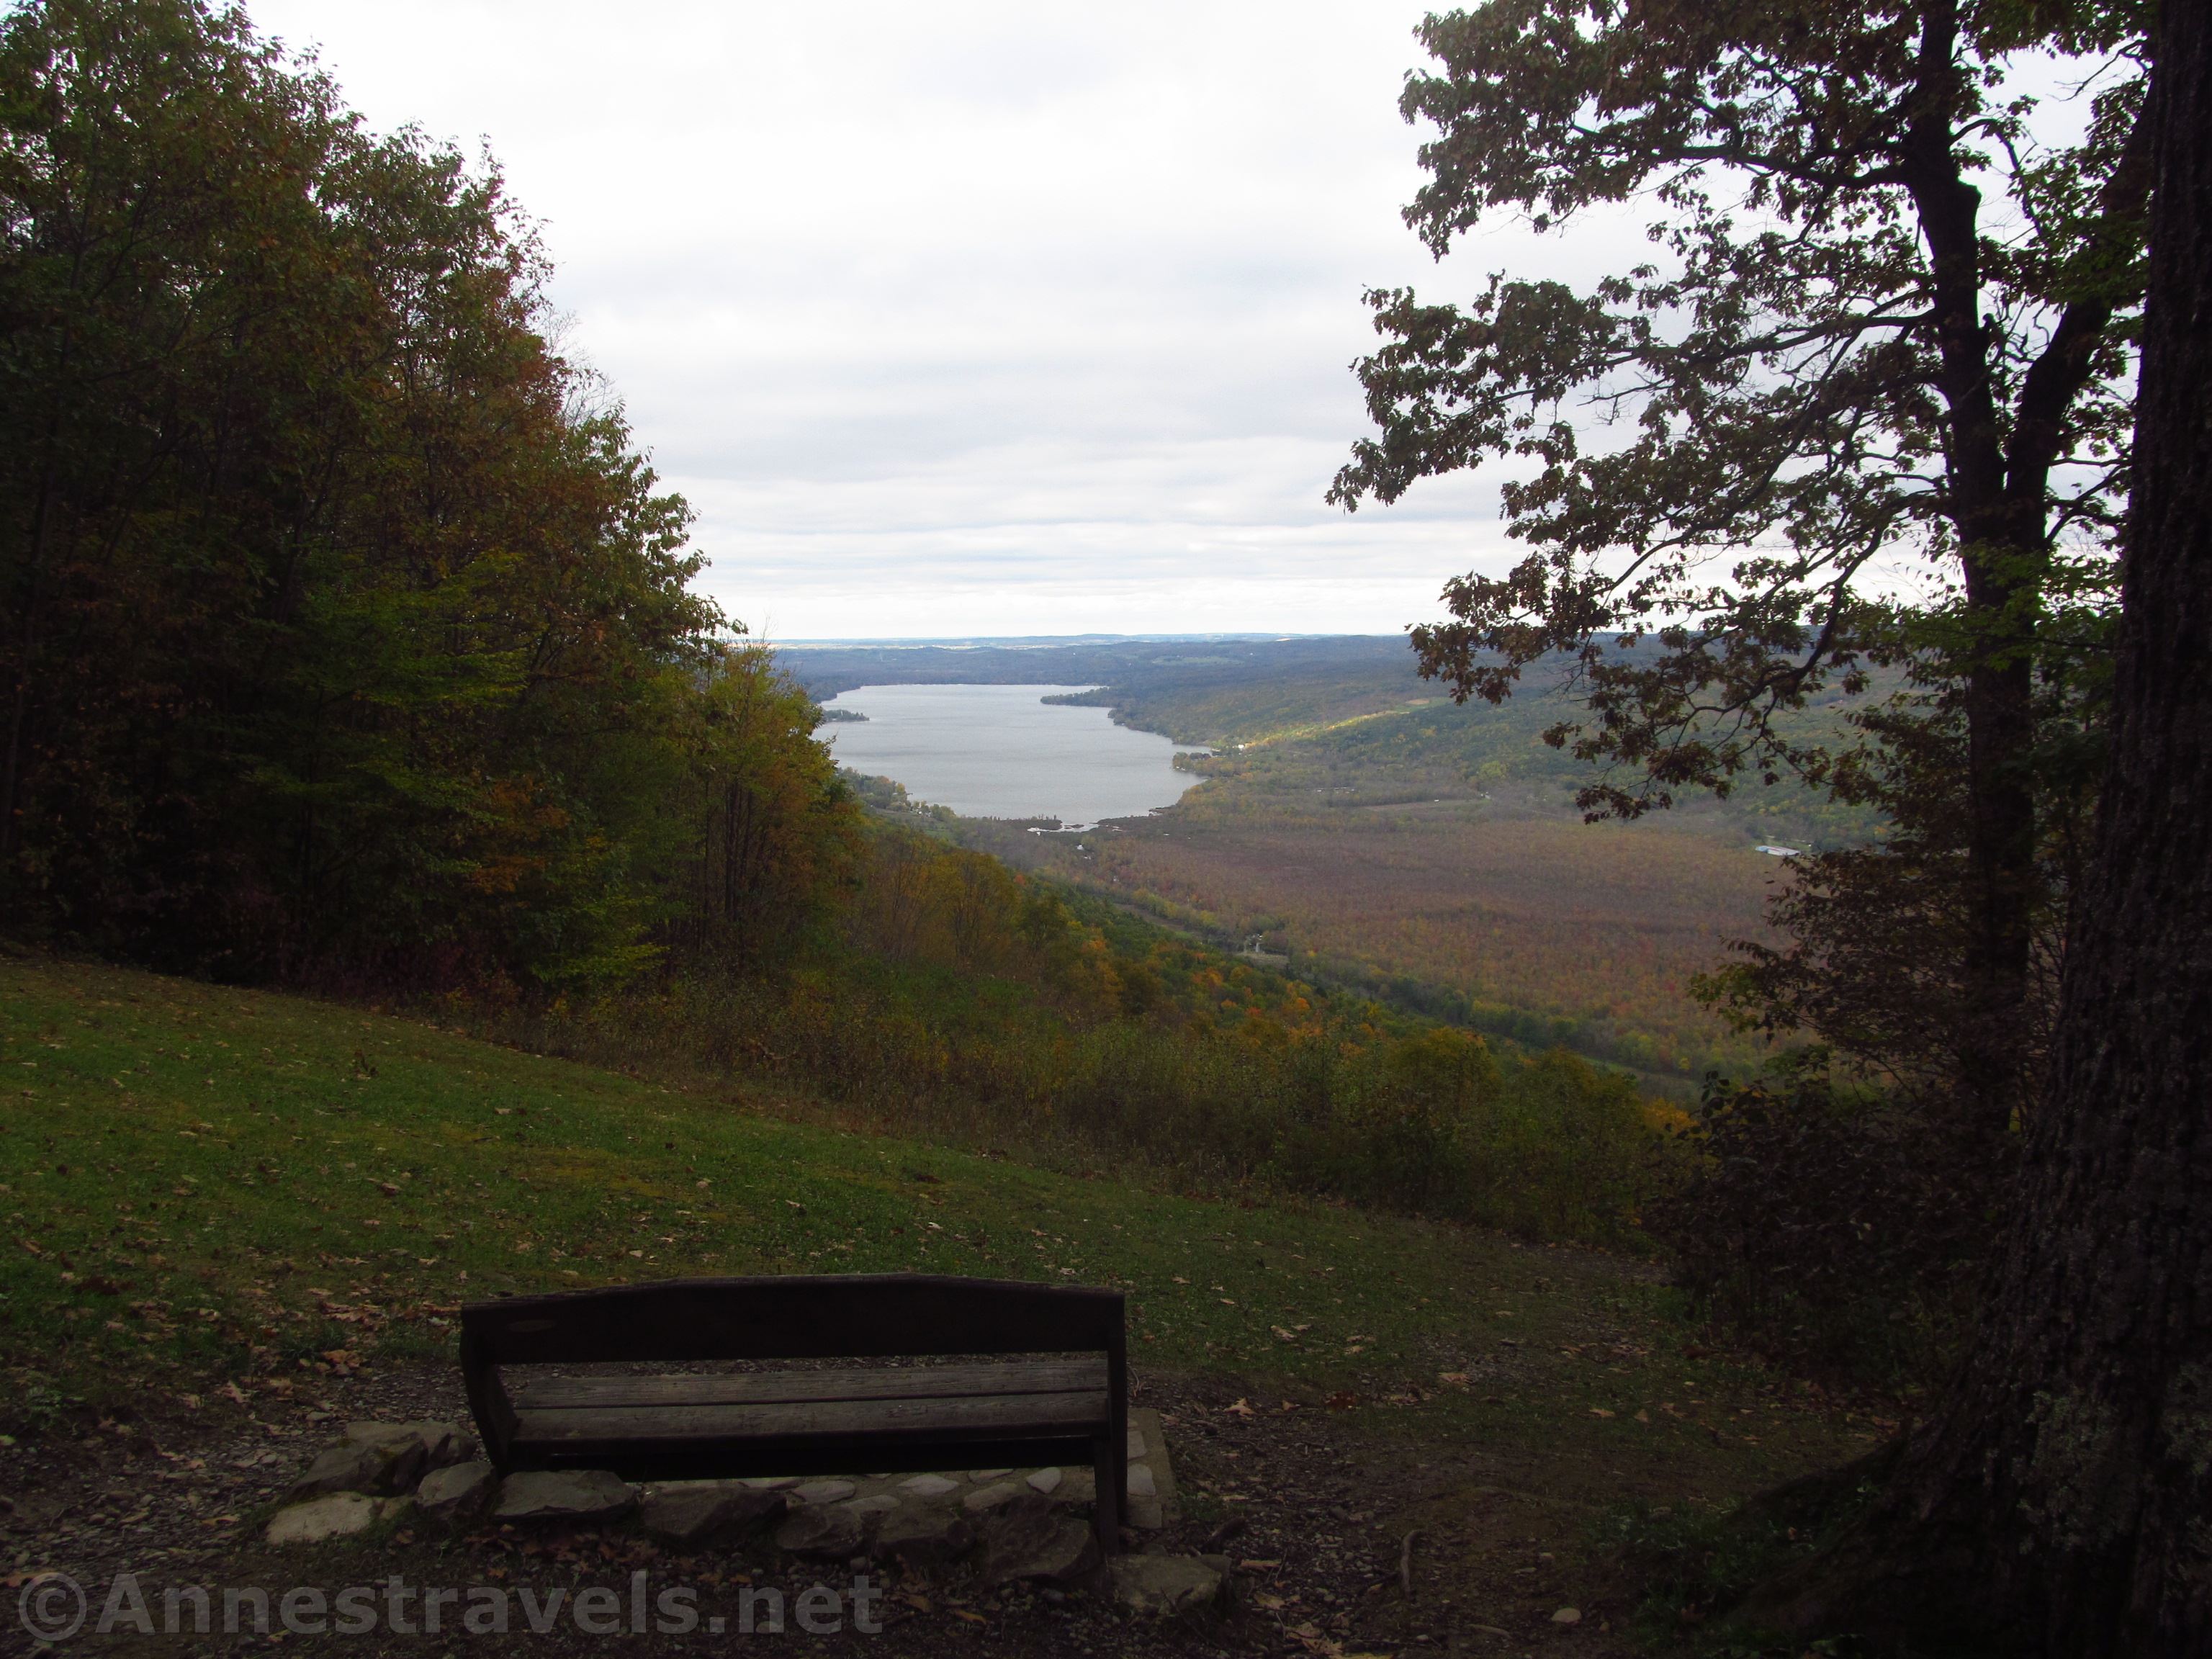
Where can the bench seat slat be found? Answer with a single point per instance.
(1085, 1376)
(841, 1419)
(769, 1424)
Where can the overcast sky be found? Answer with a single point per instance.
(964, 317)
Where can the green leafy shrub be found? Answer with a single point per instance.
(1823, 1223)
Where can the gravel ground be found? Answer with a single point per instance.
(1314, 1511)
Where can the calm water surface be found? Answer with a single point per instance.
(1000, 751)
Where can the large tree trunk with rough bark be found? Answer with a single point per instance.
(2060, 1502)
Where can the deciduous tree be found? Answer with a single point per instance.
(342, 629)
(1879, 317)
(2060, 1503)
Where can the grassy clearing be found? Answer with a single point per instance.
(201, 1183)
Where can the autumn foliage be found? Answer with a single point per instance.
(346, 635)
(955, 999)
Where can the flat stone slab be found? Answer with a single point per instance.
(564, 1495)
(336, 1515)
(1152, 1502)
(923, 1536)
(1166, 1586)
(1046, 1480)
(442, 1442)
(390, 1464)
(694, 1511)
(369, 1434)
(824, 1491)
(989, 1497)
(987, 1474)
(1039, 1547)
(457, 1492)
(823, 1532)
(929, 1486)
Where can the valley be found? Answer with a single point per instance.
(1352, 820)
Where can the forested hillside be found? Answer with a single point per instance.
(1833, 757)
(346, 635)
(351, 644)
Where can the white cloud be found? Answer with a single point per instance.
(966, 317)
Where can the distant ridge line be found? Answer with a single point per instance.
(1019, 641)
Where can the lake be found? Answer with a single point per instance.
(1001, 752)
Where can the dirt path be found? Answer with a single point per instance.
(1315, 1504)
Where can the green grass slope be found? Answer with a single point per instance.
(200, 1183)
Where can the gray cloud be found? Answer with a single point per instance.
(980, 317)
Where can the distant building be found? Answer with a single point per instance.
(1253, 953)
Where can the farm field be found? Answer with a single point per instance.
(1594, 930)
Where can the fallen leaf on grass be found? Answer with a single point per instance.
(972, 1618)
(1599, 1410)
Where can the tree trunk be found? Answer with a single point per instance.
(2060, 1503)
(2003, 537)
(2001, 869)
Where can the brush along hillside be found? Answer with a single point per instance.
(225, 1203)
(954, 997)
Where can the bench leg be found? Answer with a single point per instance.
(1106, 1512)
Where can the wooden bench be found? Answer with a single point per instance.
(1072, 1408)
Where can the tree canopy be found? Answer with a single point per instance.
(345, 629)
(1864, 404)
(2056, 1502)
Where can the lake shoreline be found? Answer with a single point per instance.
(1010, 752)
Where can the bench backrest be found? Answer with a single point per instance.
(858, 1315)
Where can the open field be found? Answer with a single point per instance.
(227, 1209)
(1596, 929)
